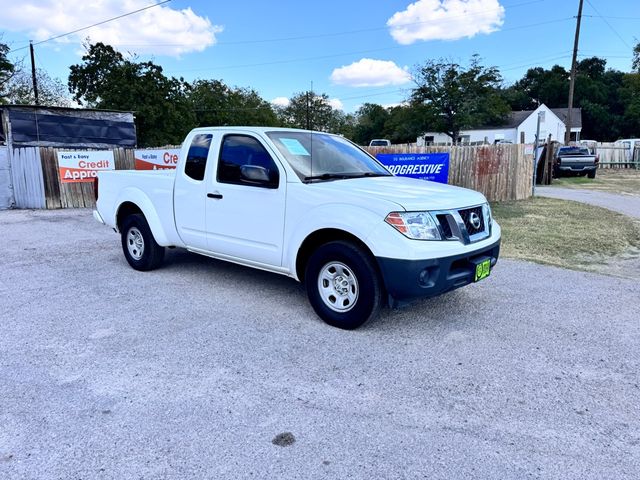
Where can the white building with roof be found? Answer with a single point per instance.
(520, 127)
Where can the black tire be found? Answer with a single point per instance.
(145, 255)
(349, 263)
(591, 174)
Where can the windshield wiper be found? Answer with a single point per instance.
(342, 176)
(374, 174)
(327, 176)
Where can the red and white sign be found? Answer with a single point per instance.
(157, 159)
(84, 166)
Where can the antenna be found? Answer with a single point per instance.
(310, 127)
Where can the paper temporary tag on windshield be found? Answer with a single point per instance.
(294, 146)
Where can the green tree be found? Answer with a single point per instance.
(597, 93)
(51, 91)
(635, 63)
(407, 122)
(517, 98)
(215, 104)
(371, 119)
(458, 97)
(105, 79)
(7, 70)
(630, 97)
(550, 87)
(313, 111)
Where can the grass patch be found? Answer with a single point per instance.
(625, 181)
(571, 181)
(565, 233)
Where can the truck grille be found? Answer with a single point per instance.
(467, 215)
(460, 225)
(444, 225)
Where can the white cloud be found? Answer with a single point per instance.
(336, 104)
(445, 20)
(281, 101)
(370, 73)
(160, 30)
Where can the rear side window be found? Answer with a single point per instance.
(238, 151)
(196, 162)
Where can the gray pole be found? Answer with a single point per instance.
(572, 79)
(535, 155)
(33, 74)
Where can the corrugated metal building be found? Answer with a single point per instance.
(26, 129)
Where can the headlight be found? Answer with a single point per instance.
(486, 211)
(415, 225)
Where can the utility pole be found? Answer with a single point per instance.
(33, 74)
(572, 79)
(535, 155)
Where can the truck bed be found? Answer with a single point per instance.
(152, 187)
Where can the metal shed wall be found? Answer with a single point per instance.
(26, 174)
(6, 188)
(84, 129)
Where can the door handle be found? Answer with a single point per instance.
(214, 195)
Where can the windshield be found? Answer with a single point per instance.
(319, 156)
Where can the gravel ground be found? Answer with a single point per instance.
(627, 204)
(194, 370)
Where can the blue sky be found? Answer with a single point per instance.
(355, 51)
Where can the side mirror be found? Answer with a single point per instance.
(255, 174)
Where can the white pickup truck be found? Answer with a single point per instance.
(309, 205)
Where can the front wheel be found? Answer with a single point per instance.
(140, 248)
(343, 285)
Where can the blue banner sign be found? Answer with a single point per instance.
(425, 166)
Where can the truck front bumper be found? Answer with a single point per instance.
(409, 279)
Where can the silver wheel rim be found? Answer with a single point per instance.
(338, 287)
(135, 243)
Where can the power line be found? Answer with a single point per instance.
(400, 90)
(375, 29)
(344, 54)
(94, 25)
(335, 34)
(535, 63)
(609, 25)
(613, 18)
(302, 37)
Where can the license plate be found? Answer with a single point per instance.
(482, 270)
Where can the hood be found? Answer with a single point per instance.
(409, 193)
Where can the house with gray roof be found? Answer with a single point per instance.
(519, 127)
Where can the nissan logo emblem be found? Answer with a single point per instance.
(474, 219)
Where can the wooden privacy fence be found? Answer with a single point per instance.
(74, 195)
(501, 172)
(36, 178)
(616, 155)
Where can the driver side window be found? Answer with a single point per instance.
(245, 161)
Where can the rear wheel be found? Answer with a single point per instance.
(591, 174)
(343, 285)
(138, 245)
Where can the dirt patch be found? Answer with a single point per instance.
(284, 439)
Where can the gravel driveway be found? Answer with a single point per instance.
(627, 204)
(192, 370)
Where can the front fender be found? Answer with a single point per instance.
(356, 221)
